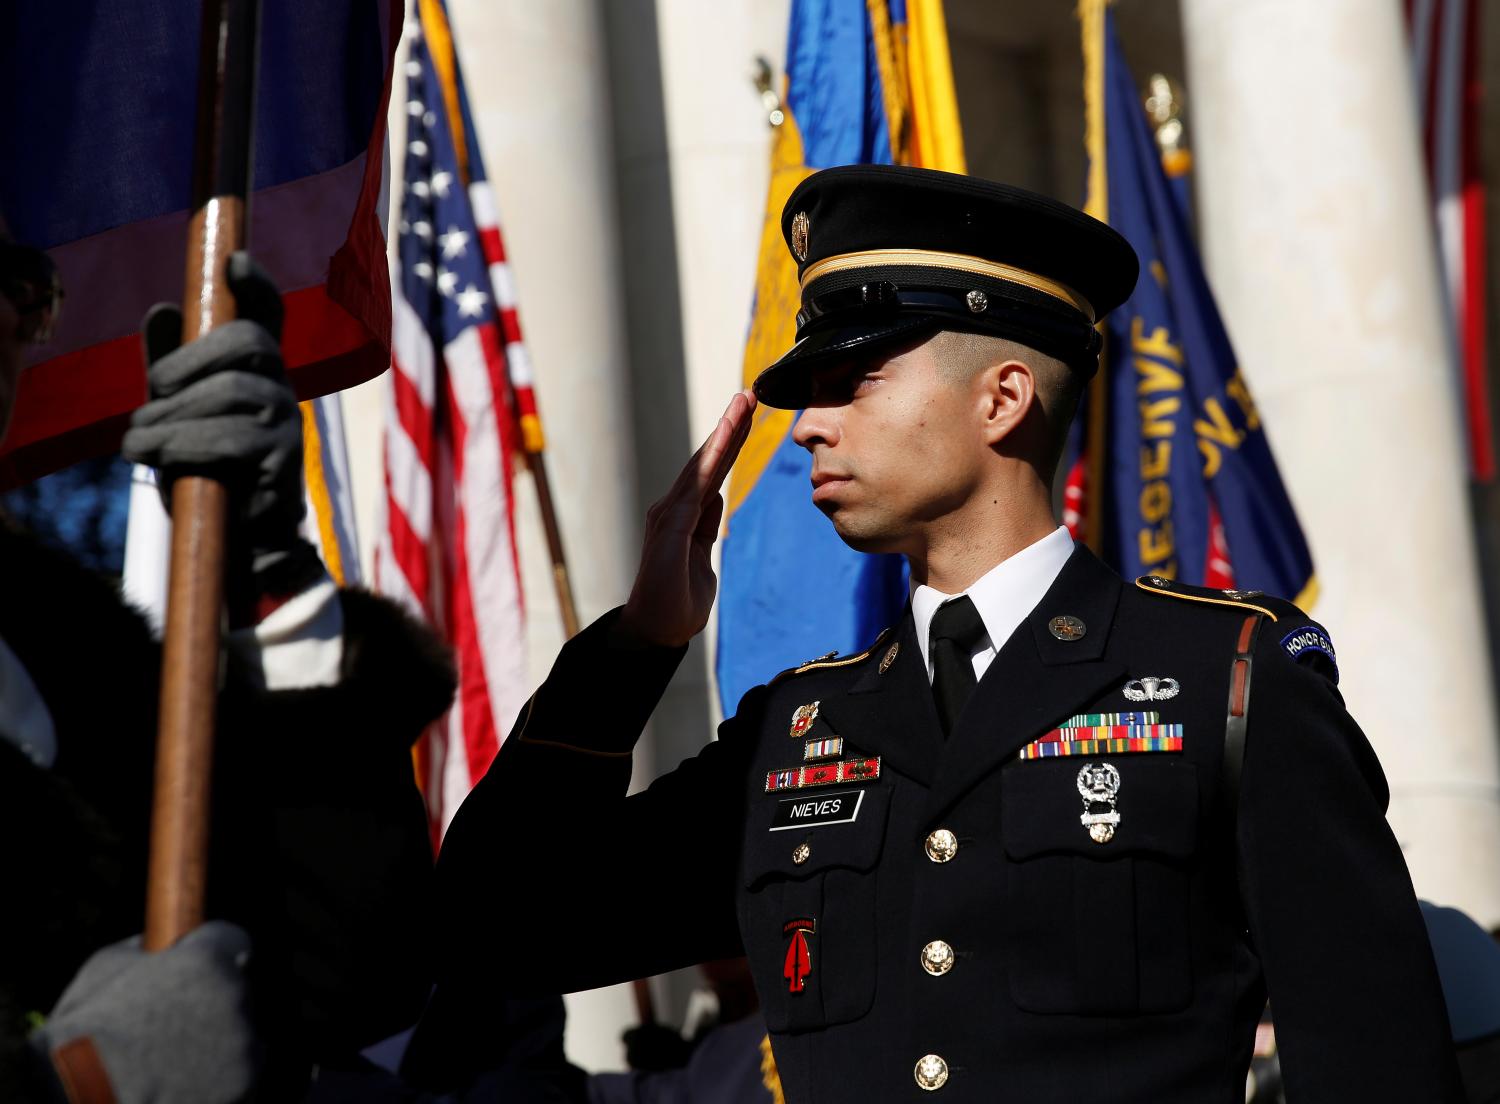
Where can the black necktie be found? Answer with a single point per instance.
(956, 631)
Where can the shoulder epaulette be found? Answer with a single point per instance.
(1274, 608)
(1302, 639)
(832, 659)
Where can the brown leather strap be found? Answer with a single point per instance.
(81, 1071)
(1238, 715)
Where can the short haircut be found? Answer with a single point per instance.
(961, 355)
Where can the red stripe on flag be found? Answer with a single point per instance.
(1474, 310)
(414, 417)
(510, 325)
(494, 247)
(408, 549)
(78, 405)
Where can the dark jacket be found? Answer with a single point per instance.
(319, 837)
(1129, 970)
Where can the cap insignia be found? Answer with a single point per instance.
(800, 228)
(977, 301)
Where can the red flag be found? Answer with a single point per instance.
(105, 188)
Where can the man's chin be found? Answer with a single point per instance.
(861, 537)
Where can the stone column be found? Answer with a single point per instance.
(1319, 247)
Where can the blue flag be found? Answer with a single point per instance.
(790, 588)
(1180, 474)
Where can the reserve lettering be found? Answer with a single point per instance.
(1222, 424)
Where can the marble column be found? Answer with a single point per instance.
(1319, 247)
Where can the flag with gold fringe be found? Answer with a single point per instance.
(867, 81)
(1174, 475)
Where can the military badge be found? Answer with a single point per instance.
(889, 658)
(802, 719)
(798, 965)
(800, 230)
(1152, 688)
(1099, 786)
(1067, 628)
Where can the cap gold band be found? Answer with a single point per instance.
(958, 262)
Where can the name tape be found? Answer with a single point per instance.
(835, 807)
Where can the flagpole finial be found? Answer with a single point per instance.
(1163, 101)
(770, 99)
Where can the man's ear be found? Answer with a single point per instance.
(1008, 396)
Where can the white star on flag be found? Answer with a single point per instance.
(414, 108)
(423, 270)
(471, 302)
(419, 189)
(447, 281)
(441, 182)
(418, 147)
(455, 242)
(422, 229)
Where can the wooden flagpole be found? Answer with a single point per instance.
(195, 589)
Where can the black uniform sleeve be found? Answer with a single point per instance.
(551, 879)
(1353, 988)
(321, 842)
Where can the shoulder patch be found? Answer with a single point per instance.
(832, 659)
(1306, 643)
(1235, 599)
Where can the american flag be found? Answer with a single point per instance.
(1444, 50)
(447, 546)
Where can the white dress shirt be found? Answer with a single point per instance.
(1004, 596)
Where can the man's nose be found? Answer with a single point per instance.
(817, 425)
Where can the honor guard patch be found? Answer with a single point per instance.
(824, 774)
(834, 807)
(802, 719)
(830, 748)
(1310, 640)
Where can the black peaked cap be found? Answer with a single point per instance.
(888, 254)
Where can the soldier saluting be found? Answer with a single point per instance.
(1039, 843)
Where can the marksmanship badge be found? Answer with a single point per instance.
(1099, 786)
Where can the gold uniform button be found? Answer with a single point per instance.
(942, 845)
(937, 958)
(801, 853)
(931, 1072)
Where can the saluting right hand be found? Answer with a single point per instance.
(675, 586)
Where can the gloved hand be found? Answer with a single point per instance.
(169, 1027)
(220, 406)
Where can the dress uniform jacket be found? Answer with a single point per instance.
(943, 920)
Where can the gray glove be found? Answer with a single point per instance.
(169, 1027)
(220, 406)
